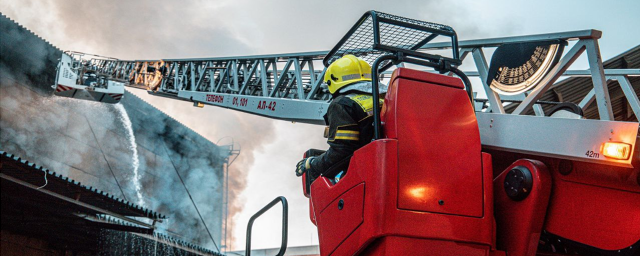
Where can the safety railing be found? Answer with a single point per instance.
(376, 34)
(285, 227)
(384, 40)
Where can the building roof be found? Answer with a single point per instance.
(70, 216)
(37, 202)
(30, 173)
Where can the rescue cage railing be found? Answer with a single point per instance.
(388, 40)
(376, 34)
(285, 227)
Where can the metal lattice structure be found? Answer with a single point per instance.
(288, 86)
(242, 83)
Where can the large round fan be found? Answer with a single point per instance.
(519, 67)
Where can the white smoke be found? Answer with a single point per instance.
(124, 118)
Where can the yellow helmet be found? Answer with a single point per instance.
(346, 70)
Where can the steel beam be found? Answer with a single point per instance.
(495, 105)
(494, 42)
(630, 94)
(587, 100)
(599, 82)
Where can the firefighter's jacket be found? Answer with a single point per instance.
(350, 126)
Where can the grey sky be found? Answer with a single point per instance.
(168, 29)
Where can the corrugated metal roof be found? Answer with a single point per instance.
(66, 225)
(32, 173)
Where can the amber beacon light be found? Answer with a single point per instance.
(616, 150)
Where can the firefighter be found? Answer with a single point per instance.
(91, 78)
(349, 116)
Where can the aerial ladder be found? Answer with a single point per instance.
(508, 174)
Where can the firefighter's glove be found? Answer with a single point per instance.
(304, 166)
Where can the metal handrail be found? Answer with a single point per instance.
(285, 218)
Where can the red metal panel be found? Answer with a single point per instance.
(439, 151)
(389, 117)
(412, 246)
(618, 178)
(376, 165)
(519, 223)
(601, 217)
(489, 197)
(330, 191)
(312, 214)
(388, 113)
(348, 217)
(421, 76)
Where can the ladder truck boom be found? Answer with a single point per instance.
(289, 87)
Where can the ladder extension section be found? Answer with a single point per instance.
(288, 86)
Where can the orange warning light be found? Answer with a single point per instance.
(616, 150)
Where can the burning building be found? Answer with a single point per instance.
(130, 150)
